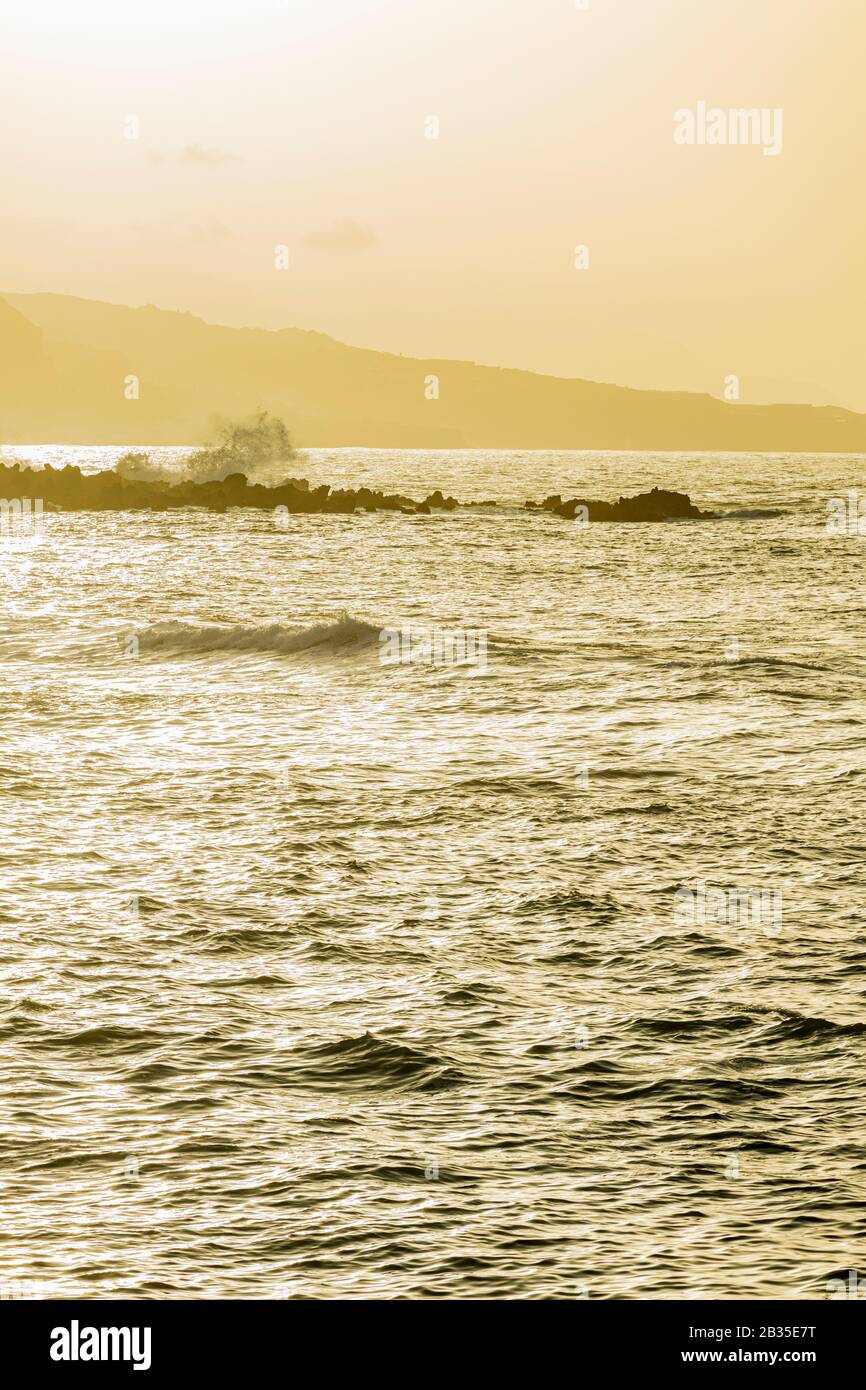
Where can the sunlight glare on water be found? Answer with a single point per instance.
(324, 976)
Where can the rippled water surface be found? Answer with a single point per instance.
(327, 977)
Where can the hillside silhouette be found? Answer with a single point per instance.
(65, 365)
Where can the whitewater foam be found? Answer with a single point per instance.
(272, 637)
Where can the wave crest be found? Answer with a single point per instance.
(373, 1061)
(272, 637)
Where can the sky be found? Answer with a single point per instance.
(160, 151)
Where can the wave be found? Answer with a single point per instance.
(273, 637)
(517, 784)
(141, 468)
(702, 1093)
(472, 995)
(570, 900)
(778, 1024)
(778, 663)
(683, 1027)
(252, 447)
(791, 1025)
(204, 467)
(751, 514)
(102, 1038)
(372, 1061)
(638, 774)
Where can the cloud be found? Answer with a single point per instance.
(205, 158)
(342, 236)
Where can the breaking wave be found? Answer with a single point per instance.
(273, 637)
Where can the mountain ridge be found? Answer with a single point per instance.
(189, 373)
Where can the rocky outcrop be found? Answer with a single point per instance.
(657, 505)
(69, 489)
(72, 490)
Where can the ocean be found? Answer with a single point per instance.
(518, 957)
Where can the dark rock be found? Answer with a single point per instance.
(657, 505)
(69, 489)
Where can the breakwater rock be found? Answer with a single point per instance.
(70, 489)
(657, 505)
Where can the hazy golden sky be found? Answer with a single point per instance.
(303, 123)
